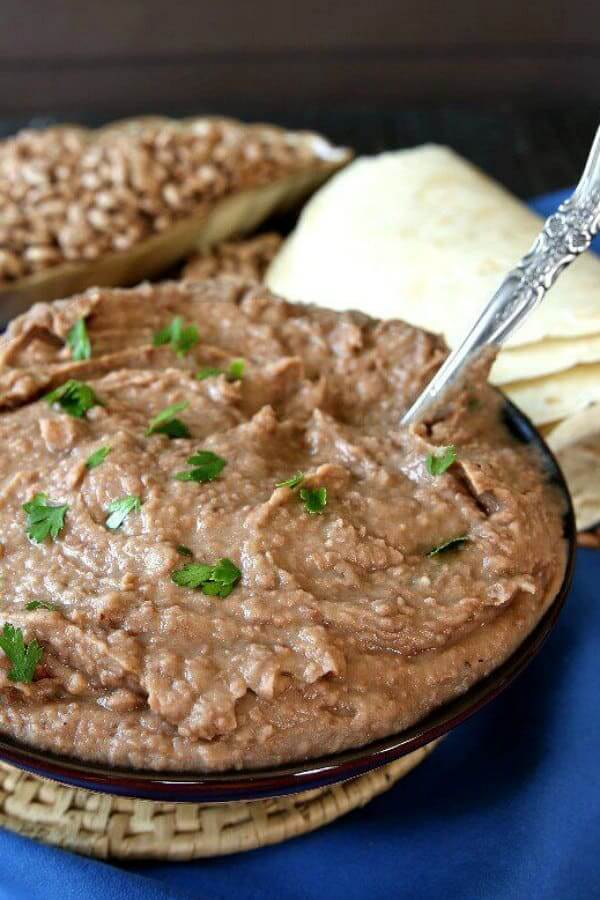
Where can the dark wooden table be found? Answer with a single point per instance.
(531, 151)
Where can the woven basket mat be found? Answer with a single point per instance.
(105, 826)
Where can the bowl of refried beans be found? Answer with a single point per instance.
(227, 570)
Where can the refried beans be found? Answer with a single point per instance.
(229, 564)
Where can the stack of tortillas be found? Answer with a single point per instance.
(424, 236)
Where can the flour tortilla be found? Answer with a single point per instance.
(424, 236)
(559, 396)
(580, 427)
(545, 358)
(581, 465)
(576, 443)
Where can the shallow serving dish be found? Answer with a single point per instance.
(315, 773)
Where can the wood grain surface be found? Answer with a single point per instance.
(132, 55)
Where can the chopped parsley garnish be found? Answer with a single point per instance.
(23, 657)
(206, 466)
(39, 604)
(216, 581)
(181, 338)
(78, 341)
(97, 457)
(120, 509)
(473, 403)
(314, 499)
(438, 462)
(43, 519)
(74, 397)
(183, 550)
(234, 372)
(292, 482)
(167, 423)
(453, 544)
(208, 372)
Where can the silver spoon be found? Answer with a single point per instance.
(564, 236)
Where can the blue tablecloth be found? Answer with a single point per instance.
(507, 807)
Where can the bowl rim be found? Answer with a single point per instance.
(291, 778)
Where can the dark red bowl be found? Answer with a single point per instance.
(253, 784)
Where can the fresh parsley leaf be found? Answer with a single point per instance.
(74, 397)
(453, 544)
(97, 457)
(438, 462)
(206, 467)
(314, 499)
(235, 372)
(192, 575)
(23, 657)
(166, 422)
(181, 338)
(473, 403)
(42, 519)
(218, 580)
(120, 509)
(78, 341)
(174, 428)
(39, 604)
(183, 550)
(208, 372)
(292, 482)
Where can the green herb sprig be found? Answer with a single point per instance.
(314, 499)
(39, 604)
(24, 657)
(43, 519)
(167, 423)
(234, 372)
(216, 581)
(119, 510)
(236, 369)
(438, 462)
(74, 397)
(292, 482)
(78, 341)
(97, 457)
(208, 372)
(206, 466)
(181, 338)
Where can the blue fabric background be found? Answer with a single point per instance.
(507, 807)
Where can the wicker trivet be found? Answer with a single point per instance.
(104, 826)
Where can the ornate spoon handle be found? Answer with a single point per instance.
(564, 236)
